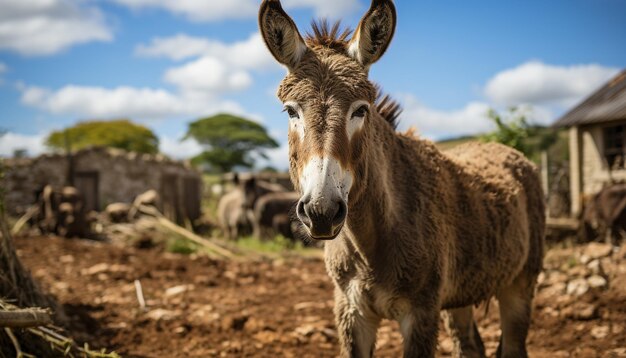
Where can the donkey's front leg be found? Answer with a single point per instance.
(419, 330)
(356, 329)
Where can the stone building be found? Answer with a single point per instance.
(106, 176)
(597, 141)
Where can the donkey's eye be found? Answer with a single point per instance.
(293, 114)
(360, 112)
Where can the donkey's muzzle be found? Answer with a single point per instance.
(323, 220)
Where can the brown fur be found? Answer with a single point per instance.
(425, 230)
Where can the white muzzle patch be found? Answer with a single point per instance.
(324, 179)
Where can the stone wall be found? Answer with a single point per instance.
(114, 175)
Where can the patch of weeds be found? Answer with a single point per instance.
(180, 245)
(278, 244)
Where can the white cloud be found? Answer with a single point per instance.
(537, 83)
(217, 67)
(208, 75)
(178, 149)
(136, 103)
(179, 47)
(471, 119)
(214, 10)
(439, 124)
(220, 68)
(10, 142)
(195, 10)
(325, 8)
(44, 27)
(248, 54)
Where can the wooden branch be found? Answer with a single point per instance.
(25, 318)
(32, 211)
(140, 298)
(163, 221)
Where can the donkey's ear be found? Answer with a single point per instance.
(281, 34)
(374, 33)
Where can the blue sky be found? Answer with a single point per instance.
(165, 63)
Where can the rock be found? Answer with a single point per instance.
(162, 314)
(600, 332)
(577, 287)
(104, 267)
(584, 259)
(96, 269)
(578, 271)
(555, 277)
(581, 311)
(556, 289)
(595, 267)
(236, 323)
(150, 197)
(619, 352)
(585, 352)
(309, 305)
(177, 290)
(331, 334)
(306, 330)
(266, 337)
(597, 281)
(117, 212)
(596, 250)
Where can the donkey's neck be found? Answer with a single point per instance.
(377, 212)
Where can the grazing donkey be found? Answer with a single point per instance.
(410, 230)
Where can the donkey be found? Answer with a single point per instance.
(409, 230)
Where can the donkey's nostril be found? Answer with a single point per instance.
(340, 215)
(302, 214)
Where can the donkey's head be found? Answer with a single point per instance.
(328, 99)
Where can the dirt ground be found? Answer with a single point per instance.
(198, 307)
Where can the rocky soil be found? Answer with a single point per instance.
(198, 307)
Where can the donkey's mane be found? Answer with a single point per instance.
(324, 34)
(336, 38)
(388, 108)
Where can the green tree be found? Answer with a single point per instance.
(229, 141)
(513, 129)
(121, 134)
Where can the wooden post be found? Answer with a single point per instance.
(575, 165)
(545, 178)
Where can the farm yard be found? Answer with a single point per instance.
(282, 306)
(439, 182)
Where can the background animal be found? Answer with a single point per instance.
(232, 216)
(235, 209)
(605, 215)
(268, 208)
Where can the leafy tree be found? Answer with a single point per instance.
(229, 141)
(513, 129)
(121, 134)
